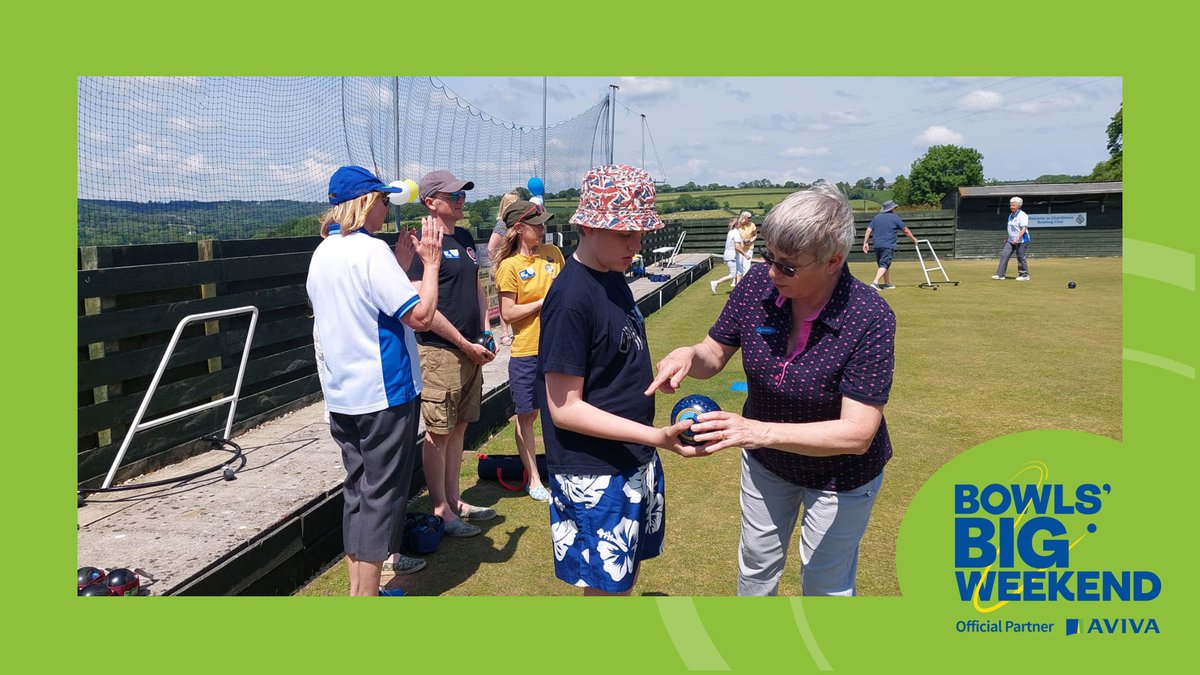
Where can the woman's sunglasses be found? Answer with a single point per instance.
(785, 270)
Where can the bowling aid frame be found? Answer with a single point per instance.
(937, 265)
(139, 424)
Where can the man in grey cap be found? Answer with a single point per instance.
(885, 226)
(451, 358)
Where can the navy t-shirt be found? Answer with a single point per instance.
(884, 228)
(458, 287)
(591, 328)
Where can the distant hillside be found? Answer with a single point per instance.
(108, 223)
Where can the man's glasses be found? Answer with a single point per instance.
(785, 270)
(454, 196)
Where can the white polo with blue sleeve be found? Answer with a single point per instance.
(358, 292)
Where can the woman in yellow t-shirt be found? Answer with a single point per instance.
(525, 268)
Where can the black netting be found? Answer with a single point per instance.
(166, 159)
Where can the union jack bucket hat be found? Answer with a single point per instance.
(617, 197)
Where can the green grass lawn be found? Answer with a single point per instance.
(973, 362)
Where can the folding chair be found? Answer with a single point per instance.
(669, 251)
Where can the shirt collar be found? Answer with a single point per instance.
(835, 307)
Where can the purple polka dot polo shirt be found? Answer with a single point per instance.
(849, 352)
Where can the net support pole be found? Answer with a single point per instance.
(612, 119)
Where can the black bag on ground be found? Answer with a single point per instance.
(508, 470)
(422, 533)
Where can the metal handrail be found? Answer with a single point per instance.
(139, 425)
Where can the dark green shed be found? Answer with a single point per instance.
(1087, 218)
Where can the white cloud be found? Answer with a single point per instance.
(194, 124)
(644, 88)
(794, 123)
(937, 135)
(141, 105)
(884, 170)
(801, 151)
(1046, 105)
(981, 99)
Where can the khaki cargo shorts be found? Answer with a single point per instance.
(453, 387)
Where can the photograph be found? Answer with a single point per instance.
(750, 308)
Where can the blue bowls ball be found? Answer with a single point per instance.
(689, 408)
(1070, 284)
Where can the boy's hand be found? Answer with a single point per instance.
(670, 441)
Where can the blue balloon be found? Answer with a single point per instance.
(535, 186)
(688, 408)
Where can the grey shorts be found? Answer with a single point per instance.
(378, 451)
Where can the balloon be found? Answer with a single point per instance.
(537, 199)
(536, 187)
(407, 194)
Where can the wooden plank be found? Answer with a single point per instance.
(245, 248)
(154, 445)
(118, 413)
(156, 318)
(146, 278)
(1067, 243)
(127, 365)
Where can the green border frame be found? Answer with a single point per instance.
(622, 38)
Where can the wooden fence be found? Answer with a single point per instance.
(708, 235)
(130, 300)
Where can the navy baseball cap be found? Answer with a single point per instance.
(352, 182)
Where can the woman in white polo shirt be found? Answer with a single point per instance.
(365, 310)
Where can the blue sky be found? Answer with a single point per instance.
(730, 130)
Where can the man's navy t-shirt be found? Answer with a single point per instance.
(458, 287)
(591, 328)
(884, 228)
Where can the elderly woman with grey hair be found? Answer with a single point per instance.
(817, 350)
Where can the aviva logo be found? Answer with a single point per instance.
(1114, 626)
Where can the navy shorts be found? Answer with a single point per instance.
(603, 527)
(522, 370)
(883, 256)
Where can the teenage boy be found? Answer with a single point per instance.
(607, 510)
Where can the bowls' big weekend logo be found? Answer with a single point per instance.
(1013, 542)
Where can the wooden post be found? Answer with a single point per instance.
(205, 251)
(91, 260)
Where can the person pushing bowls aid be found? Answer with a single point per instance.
(607, 505)
(817, 350)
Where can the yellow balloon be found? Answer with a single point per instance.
(407, 193)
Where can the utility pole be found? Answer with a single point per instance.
(643, 141)
(396, 145)
(612, 116)
(545, 173)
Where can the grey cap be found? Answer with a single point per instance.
(887, 206)
(441, 181)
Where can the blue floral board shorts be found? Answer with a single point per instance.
(603, 527)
